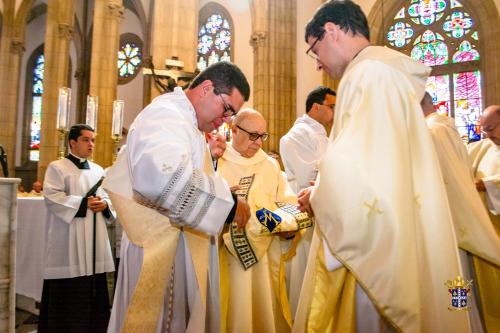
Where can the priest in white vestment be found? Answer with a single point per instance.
(78, 254)
(254, 259)
(384, 243)
(485, 156)
(301, 150)
(171, 204)
(303, 146)
(475, 233)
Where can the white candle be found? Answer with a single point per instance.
(63, 108)
(116, 128)
(92, 109)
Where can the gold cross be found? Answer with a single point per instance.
(416, 198)
(373, 208)
(462, 231)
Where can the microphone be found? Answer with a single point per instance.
(3, 162)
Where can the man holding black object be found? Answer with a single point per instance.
(78, 254)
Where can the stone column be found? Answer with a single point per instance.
(8, 227)
(11, 51)
(104, 72)
(329, 82)
(273, 39)
(58, 35)
(174, 34)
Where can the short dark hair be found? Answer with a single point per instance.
(343, 13)
(225, 76)
(76, 130)
(318, 95)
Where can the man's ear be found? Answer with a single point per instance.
(206, 86)
(331, 29)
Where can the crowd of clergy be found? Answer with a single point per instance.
(375, 217)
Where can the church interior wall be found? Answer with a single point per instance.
(242, 50)
(35, 35)
(131, 92)
(308, 77)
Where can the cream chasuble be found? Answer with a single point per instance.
(169, 203)
(473, 227)
(380, 202)
(256, 297)
(485, 156)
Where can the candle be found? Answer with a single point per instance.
(63, 108)
(91, 115)
(116, 127)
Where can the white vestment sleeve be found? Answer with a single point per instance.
(301, 165)
(58, 202)
(492, 185)
(166, 158)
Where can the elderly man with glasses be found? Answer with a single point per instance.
(254, 258)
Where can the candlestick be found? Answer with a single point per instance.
(117, 124)
(62, 124)
(92, 111)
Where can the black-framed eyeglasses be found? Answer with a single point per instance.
(254, 136)
(320, 37)
(228, 109)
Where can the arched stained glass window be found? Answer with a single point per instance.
(129, 57)
(214, 36)
(36, 111)
(443, 34)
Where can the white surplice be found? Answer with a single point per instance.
(69, 238)
(254, 303)
(380, 202)
(163, 162)
(301, 149)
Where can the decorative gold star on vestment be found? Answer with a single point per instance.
(416, 198)
(166, 168)
(462, 231)
(372, 208)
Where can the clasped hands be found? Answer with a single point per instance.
(96, 204)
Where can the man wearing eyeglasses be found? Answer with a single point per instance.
(301, 150)
(384, 241)
(172, 208)
(485, 156)
(256, 291)
(305, 143)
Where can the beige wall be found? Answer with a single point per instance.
(308, 77)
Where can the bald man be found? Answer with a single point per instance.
(485, 156)
(254, 259)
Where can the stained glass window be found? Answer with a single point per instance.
(430, 49)
(36, 111)
(214, 39)
(442, 34)
(466, 52)
(129, 57)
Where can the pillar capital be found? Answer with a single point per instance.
(116, 11)
(65, 31)
(17, 46)
(257, 38)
